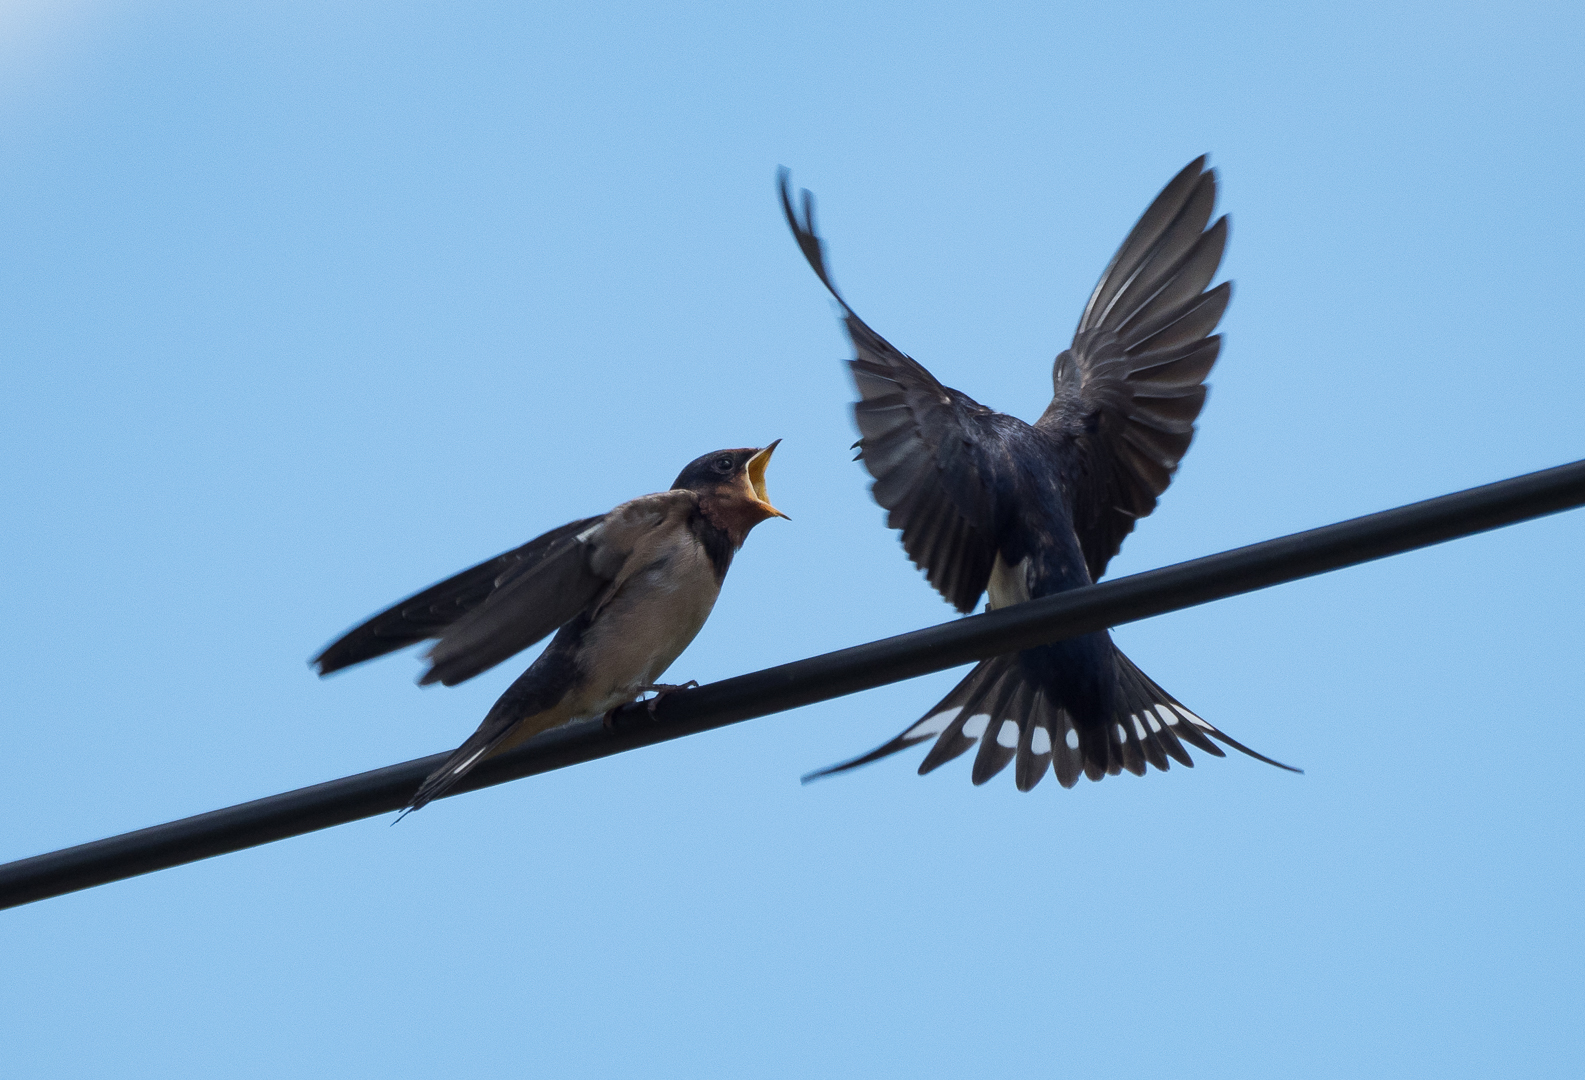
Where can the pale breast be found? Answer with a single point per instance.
(652, 618)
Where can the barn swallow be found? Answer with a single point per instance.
(628, 591)
(989, 504)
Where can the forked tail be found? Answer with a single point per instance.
(999, 708)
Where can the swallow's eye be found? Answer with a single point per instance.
(722, 464)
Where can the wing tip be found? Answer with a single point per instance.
(806, 233)
(338, 656)
(432, 676)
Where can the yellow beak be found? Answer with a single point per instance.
(755, 470)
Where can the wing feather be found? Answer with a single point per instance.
(427, 614)
(1130, 387)
(935, 453)
(576, 572)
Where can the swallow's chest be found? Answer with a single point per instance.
(659, 610)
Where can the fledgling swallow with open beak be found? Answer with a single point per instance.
(625, 592)
(988, 503)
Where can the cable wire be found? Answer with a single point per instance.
(819, 678)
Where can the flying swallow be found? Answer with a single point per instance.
(989, 504)
(625, 592)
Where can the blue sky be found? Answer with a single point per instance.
(304, 306)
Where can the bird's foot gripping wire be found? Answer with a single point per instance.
(660, 690)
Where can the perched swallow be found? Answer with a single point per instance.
(988, 503)
(628, 590)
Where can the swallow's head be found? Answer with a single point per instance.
(731, 488)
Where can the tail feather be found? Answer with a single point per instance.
(1067, 754)
(984, 719)
(982, 687)
(944, 722)
(461, 762)
(1142, 695)
(1012, 719)
(1095, 751)
(1003, 728)
(1154, 703)
(1034, 738)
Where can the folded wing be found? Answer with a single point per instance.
(581, 569)
(428, 614)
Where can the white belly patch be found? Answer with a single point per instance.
(1008, 585)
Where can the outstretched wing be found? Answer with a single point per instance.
(429, 613)
(1128, 390)
(939, 458)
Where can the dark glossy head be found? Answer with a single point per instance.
(734, 475)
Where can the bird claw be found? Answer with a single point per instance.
(660, 690)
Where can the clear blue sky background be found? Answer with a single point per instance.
(304, 306)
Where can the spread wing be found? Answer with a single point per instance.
(938, 457)
(582, 568)
(429, 613)
(1130, 386)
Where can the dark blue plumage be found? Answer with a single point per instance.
(988, 503)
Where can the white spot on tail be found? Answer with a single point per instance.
(1007, 734)
(1072, 739)
(1191, 718)
(1155, 725)
(934, 724)
(976, 725)
(1040, 741)
(1167, 714)
(1139, 729)
(1122, 736)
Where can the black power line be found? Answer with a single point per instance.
(818, 678)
